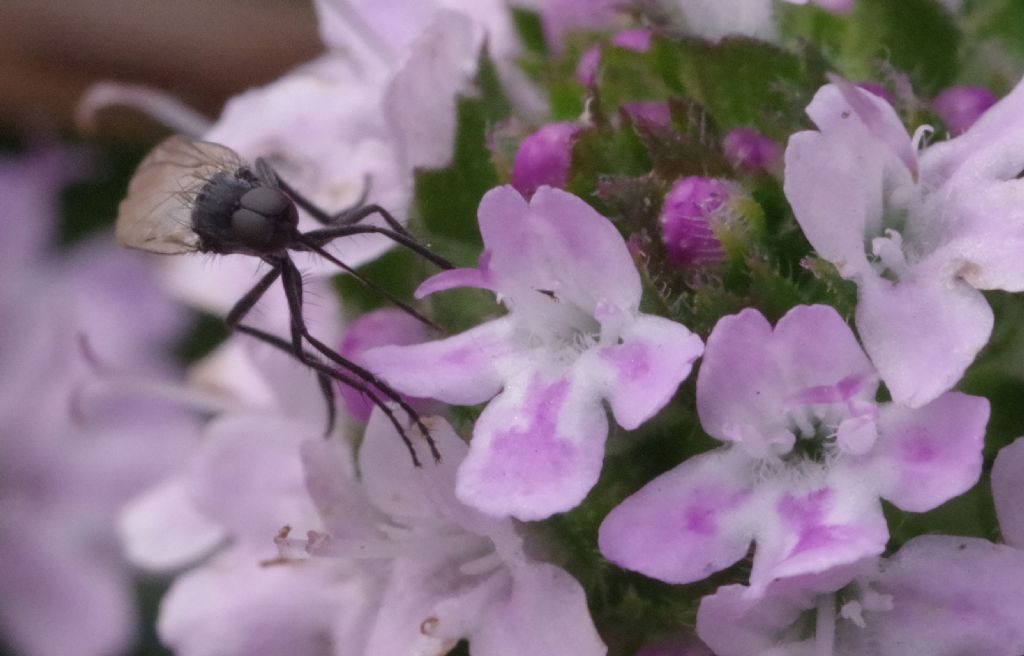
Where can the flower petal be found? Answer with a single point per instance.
(836, 179)
(162, 529)
(58, 597)
(811, 533)
(545, 615)
(232, 605)
(951, 596)
(686, 524)
(420, 100)
(750, 372)
(1008, 492)
(641, 373)
(556, 243)
(537, 449)
(392, 483)
(892, 318)
(931, 454)
(248, 476)
(733, 623)
(993, 148)
(331, 483)
(461, 370)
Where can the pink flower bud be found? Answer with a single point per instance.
(685, 220)
(637, 40)
(749, 150)
(544, 158)
(877, 89)
(959, 107)
(378, 328)
(649, 113)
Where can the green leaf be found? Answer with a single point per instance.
(530, 30)
(917, 37)
(447, 199)
(739, 81)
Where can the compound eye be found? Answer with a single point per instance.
(250, 228)
(267, 201)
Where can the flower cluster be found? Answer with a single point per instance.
(713, 373)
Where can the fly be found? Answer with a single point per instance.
(190, 196)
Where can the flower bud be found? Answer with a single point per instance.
(749, 150)
(686, 216)
(959, 107)
(877, 89)
(544, 158)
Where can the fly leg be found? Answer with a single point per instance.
(292, 279)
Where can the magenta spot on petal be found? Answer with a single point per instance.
(806, 510)
(685, 216)
(544, 158)
(532, 454)
(631, 361)
(708, 503)
(919, 449)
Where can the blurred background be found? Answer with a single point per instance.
(52, 51)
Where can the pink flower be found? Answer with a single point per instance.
(921, 235)
(446, 571)
(573, 337)
(937, 596)
(809, 455)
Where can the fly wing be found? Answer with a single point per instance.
(156, 214)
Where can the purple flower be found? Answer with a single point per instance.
(377, 328)
(573, 336)
(920, 235)
(809, 455)
(749, 150)
(692, 208)
(244, 483)
(544, 158)
(937, 596)
(445, 572)
(960, 107)
(74, 444)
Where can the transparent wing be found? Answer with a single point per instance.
(156, 214)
